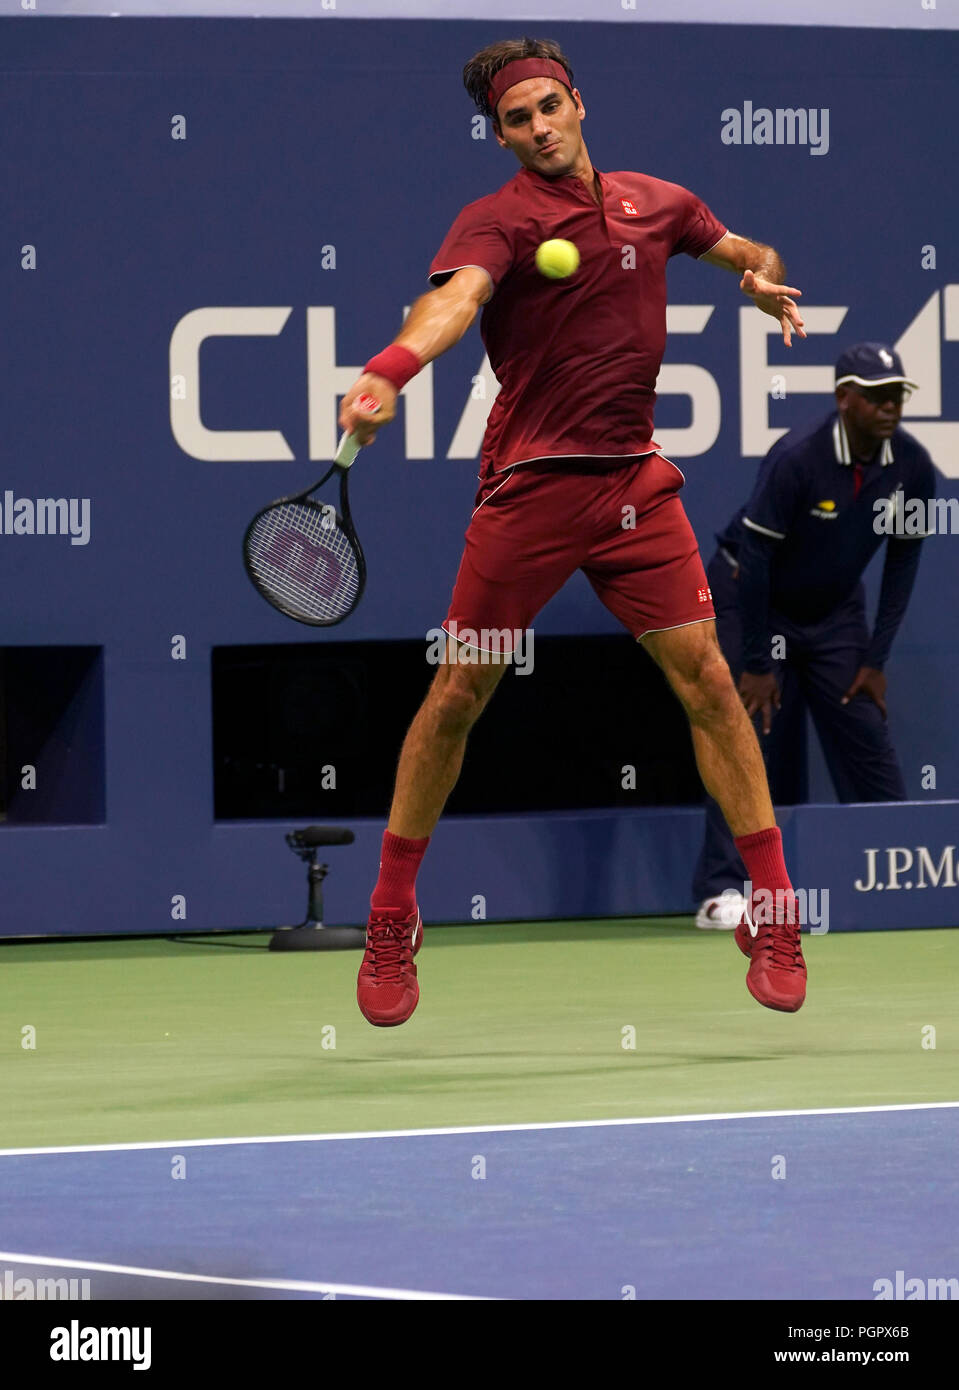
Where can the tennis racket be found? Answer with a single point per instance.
(304, 556)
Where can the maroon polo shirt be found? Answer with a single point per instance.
(576, 359)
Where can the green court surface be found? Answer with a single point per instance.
(161, 1039)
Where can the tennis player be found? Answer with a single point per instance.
(568, 464)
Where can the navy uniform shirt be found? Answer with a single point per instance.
(805, 536)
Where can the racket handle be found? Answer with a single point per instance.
(349, 445)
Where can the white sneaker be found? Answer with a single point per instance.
(723, 913)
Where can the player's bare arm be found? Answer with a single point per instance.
(435, 323)
(763, 273)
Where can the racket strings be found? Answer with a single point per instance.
(303, 559)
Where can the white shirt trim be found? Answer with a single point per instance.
(840, 442)
(546, 458)
(699, 258)
(470, 265)
(764, 530)
(843, 452)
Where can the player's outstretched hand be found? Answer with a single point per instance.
(869, 681)
(355, 419)
(760, 692)
(774, 299)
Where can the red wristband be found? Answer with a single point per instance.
(396, 364)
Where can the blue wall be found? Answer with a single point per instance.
(307, 136)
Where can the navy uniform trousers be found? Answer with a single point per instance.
(820, 664)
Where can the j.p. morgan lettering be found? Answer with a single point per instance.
(899, 867)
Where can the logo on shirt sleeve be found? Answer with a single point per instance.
(630, 209)
(704, 595)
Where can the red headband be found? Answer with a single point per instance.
(518, 71)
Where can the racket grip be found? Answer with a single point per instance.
(349, 445)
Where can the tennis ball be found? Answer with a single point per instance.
(556, 259)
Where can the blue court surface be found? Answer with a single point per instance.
(684, 1208)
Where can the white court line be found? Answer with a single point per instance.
(290, 1285)
(476, 1129)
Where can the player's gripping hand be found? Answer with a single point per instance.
(760, 692)
(774, 300)
(360, 421)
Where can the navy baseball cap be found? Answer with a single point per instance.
(871, 364)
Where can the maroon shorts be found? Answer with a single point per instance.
(535, 525)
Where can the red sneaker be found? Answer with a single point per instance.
(386, 988)
(777, 972)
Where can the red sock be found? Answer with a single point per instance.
(773, 899)
(396, 886)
